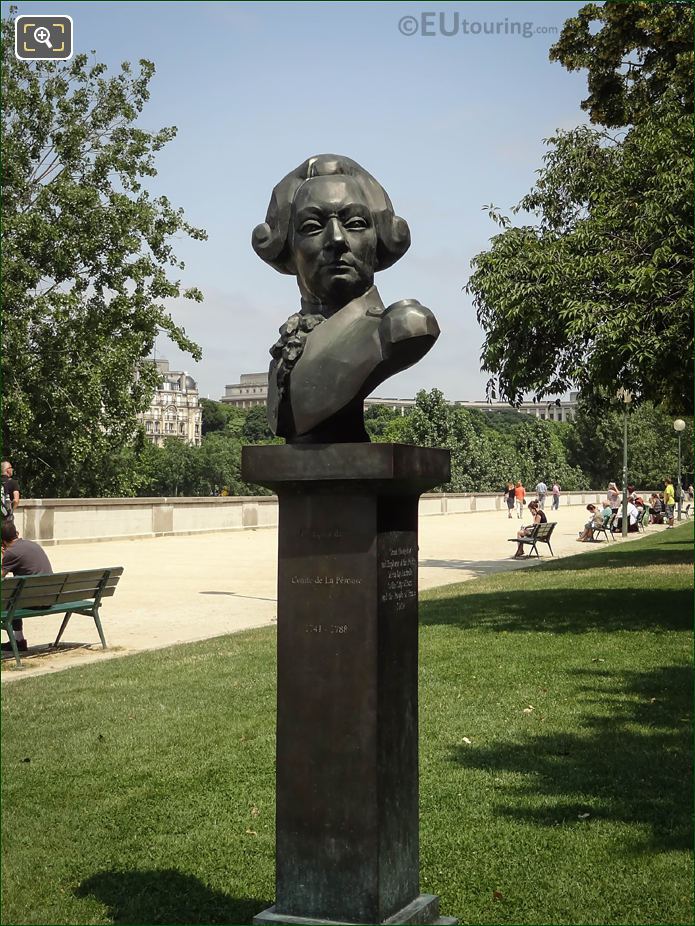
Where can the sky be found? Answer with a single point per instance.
(446, 123)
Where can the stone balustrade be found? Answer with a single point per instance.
(77, 520)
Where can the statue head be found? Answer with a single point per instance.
(330, 224)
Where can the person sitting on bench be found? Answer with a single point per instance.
(632, 519)
(596, 520)
(656, 509)
(538, 518)
(21, 558)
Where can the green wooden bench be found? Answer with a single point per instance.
(65, 593)
(540, 533)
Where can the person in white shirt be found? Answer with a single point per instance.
(595, 521)
(632, 513)
(541, 492)
(632, 518)
(613, 496)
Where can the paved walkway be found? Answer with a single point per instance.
(180, 589)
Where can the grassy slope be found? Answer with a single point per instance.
(555, 760)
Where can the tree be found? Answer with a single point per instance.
(378, 420)
(477, 464)
(639, 52)
(541, 455)
(146, 468)
(177, 473)
(395, 431)
(219, 416)
(213, 416)
(598, 294)
(501, 421)
(595, 444)
(430, 423)
(256, 429)
(86, 260)
(220, 465)
(653, 448)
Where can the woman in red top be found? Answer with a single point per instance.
(520, 496)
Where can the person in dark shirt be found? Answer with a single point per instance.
(10, 488)
(539, 517)
(21, 558)
(510, 497)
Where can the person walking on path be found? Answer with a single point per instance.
(520, 498)
(541, 492)
(556, 496)
(669, 499)
(10, 492)
(510, 498)
(21, 558)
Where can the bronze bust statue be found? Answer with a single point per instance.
(330, 224)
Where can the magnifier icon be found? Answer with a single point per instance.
(41, 34)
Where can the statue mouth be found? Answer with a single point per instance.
(340, 266)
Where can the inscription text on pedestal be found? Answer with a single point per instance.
(399, 575)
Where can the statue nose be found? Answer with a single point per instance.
(336, 235)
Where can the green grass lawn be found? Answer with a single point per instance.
(555, 760)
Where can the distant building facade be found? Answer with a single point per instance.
(252, 389)
(175, 408)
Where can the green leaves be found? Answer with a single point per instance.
(87, 261)
(640, 52)
(595, 444)
(489, 449)
(597, 294)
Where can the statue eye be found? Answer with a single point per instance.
(356, 223)
(310, 227)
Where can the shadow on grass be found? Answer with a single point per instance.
(166, 896)
(613, 771)
(681, 554)
(563, 610)
(477, 568)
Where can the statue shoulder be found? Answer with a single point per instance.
(408, 318)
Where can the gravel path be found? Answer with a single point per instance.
(181, 589)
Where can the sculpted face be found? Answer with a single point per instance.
(333, 241)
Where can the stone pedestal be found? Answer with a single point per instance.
(347, 720)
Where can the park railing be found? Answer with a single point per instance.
(75, 520)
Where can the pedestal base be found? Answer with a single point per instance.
(347, 842)
(423, 911)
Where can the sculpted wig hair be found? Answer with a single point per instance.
(271, 238)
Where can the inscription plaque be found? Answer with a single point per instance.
(397, 572)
